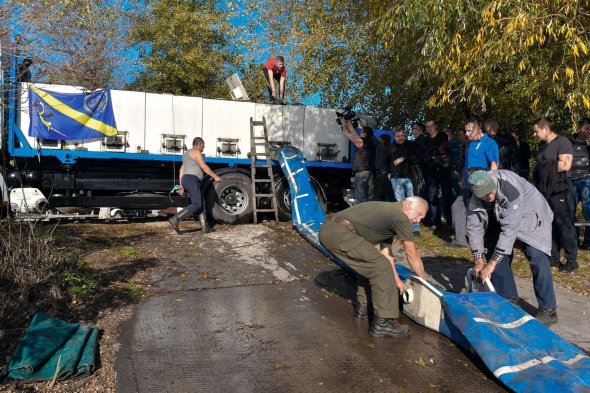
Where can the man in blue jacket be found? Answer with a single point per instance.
(505, 209)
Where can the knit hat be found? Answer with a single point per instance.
(480, 183)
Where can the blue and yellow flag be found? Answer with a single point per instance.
(71, 116)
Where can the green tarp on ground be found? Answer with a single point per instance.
(48, 342)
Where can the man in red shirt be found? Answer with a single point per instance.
(274, 70)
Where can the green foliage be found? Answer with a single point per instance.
(81, 284)
(126, 251)
(183, 48)
(512, 60)
(331, 54)
(414, 59)
(132, 289)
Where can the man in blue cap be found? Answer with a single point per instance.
(505, 209)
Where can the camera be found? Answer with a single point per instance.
(347, 114)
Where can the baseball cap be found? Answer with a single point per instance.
(480, 183)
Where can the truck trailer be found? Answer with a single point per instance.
(134, 172)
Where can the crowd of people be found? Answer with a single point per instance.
(436, 166)
(478, 182)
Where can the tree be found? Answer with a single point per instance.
(515, 60)
(183, 48)
(334, 55)
(74, 42)
(420, 58)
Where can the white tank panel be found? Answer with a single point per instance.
(147, 116)
(188, 117)
(89, 144)
(293, 123)
(129, 111)
(159, 120)
(227, 119)
(273, 114)
(321, 127)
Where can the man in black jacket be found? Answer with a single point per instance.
(507, 146)
(437, 174)
(419, 134)
(524, 155)
(580, 174)
(23, 73)
(363, 165)
(402, 154)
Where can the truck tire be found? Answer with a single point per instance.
(230, 200)
(284, 198)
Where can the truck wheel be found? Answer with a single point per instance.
(284, 198)
(230, 200)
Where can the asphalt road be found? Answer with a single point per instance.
(254, 308)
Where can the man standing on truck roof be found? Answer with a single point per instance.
(191, 176)
(352, 234)
(274, 70)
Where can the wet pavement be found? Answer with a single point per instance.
(283, 338)
(255, 308)
(573, 309)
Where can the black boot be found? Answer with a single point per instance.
(547, 316)
(569, 266)
(204, 224)
(361, 311)
(382, 327)
(176, 219)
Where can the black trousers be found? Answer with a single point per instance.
(276, 77)
(192, 185)
(441, 177)
(564, 231)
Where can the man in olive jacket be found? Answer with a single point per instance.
(352, 235)
(505, 208)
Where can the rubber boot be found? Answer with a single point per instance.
(176, 219)
(204, 224)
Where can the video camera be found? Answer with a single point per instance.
(348, 114)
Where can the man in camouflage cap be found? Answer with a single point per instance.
(505, 209)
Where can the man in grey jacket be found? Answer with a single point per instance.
(505, 208)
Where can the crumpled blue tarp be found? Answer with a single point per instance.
(519, 350)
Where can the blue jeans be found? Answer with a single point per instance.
(403, 188)
(582, 193)
(192, 185)
(364, 186)
(503, 277)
